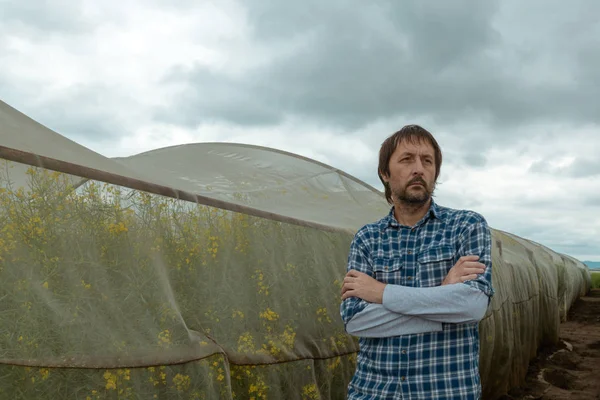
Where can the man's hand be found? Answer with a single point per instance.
(465, 269)
(358, 284)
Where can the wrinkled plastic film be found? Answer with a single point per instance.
(266, 180)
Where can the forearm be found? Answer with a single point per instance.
(377, 321)
(351, 307)
(457, 303)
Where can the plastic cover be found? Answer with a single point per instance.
(210, 271)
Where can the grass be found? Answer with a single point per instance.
(595, 279)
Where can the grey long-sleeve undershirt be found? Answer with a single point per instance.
(408, 310)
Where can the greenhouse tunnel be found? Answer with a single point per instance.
(211, 271)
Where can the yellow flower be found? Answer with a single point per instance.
(164, 337)
(44, 372)
(118, 228)
(182, 382)
(269, 314)
(333, 363)
(323, 315)
(246, 343)
(310, 392)
(288, 337)
(111, 380)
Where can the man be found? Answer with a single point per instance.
(419, 281)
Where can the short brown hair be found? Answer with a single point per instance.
(413, 134)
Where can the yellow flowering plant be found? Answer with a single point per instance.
(112, 293)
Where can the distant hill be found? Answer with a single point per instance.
(593, 264)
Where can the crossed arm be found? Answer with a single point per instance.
(374, 309)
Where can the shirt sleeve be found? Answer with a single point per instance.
(456, 303)
(476, 239)
(376, 321)
(358, 260)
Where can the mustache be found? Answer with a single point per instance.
(417, 180)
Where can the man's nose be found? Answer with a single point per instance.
(418, 168)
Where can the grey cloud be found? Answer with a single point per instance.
(443, 60)
(554, 239)
(353, 69)
(455, 200)
(570, 249)
(536, 202)
(540, 166)
(82, 112)
(580, 168)
(368, 23)
(475, 160)
(45, 16)
(87, 111)
(219, 98)
(592, 201)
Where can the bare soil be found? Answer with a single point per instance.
(570, 370)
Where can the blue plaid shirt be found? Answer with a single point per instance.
(432, 365)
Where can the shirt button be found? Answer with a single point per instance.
(410, 252)
(403, 351)
(409, 278)
(386, 267)
(403, 378)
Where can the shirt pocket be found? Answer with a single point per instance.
(388, 270)
(434, 264)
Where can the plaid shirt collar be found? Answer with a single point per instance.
(389, 221)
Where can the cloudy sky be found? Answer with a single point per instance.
(511, 89)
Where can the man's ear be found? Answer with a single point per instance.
(384, 177)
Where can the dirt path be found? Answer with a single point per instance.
(571, 369)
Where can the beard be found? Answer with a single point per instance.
(411, 195)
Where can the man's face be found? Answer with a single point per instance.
(412, 172)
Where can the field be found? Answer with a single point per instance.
(568, 370)
(595, 279)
